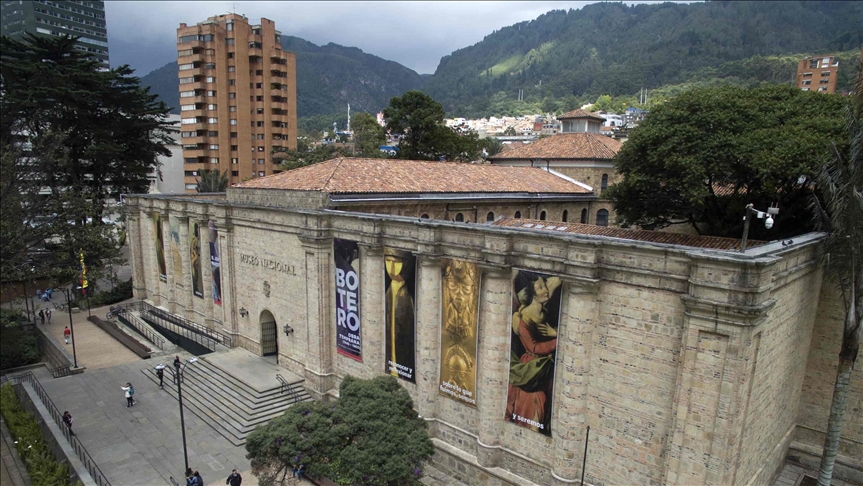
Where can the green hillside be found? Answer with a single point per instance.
(328, 78)
(612, 48)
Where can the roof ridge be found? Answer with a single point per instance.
(326, 184)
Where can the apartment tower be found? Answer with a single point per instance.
(238, 97)
(44, 18)
(817, 74)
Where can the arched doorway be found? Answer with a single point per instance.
(269, 335)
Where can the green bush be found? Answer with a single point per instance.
(17, 346)
(121, 292)
(43, 469)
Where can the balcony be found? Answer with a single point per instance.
(193, 86)
(189, 44)
(195, 153)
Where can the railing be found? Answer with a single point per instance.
(291, 388)
(283, 385)
(126, 317)
(185, 323)
(76, 444)
(158, 320)
(59, 363)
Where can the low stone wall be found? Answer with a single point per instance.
(111, 328)
(55, 354)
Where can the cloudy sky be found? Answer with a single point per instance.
(415, 34)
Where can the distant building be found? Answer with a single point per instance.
(169, 178)
(238, 95)
(817, 74)
(85, 19)
(380, 118)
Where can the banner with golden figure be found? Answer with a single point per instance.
(460, 297)
(195, 261)
(174, 227)
(160, 246)
(400, 318)
(535, 319)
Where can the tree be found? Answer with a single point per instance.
(291, 159)
(509, 132)
(212, 181)
(418, 119)
(700, 158)
(368, 135)
(492, 146)
(370, 436)
(840, 183)
(91, 134)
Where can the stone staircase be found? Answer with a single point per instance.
(232, 407)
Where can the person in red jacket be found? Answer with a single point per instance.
(66, 334)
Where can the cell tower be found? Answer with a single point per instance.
(349, 118)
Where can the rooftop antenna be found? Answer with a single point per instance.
(349, 118)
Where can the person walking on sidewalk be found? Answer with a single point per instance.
(161, 374)
(48, 315)
(42, 316)
(129, 391)
(67, 334)
(67, 419)
(199, 481)
(234, 479)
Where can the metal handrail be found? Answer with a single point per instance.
(76, 444)
(130, 320)
(183, 322)
(283, 385)
(59, 363)
(158, 320)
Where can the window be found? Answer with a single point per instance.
(805, 89)
(210, 65)
(806, 82)
(824, 81)
(259, 85)
(235, 160)
(211, 79)
(234, 148)
(232, 108)
(459, 218)
(233, 134)
(187, 80)
(565, 215)
(210, 52)
(193, 38)
(187, 107)
(230, 55)
(489, 217)
(188, 121)
(233, 121)
(212, 120)
(517, 215)
(807, 75)
(259, 124)
(214, 160)
(183, 67)
(235, 173)
(825, 73)
(212, 133)
(229, 41)
(187, 94)
(260, 136)
(259, 72)
(260, 149)
(261, 174)
(212, 107)
(584, 216)
(259, 111)
(261, 161)
(425, 216)
(214, 146)
(211, 93)
(604, 185)
(602, 217)
(232, 96)
(542, 216)
(190, 160)
(207, 37)
(191, 186)
(188, 134)
(232, 69)
(229, 26)
(185, 52)
(813, 63)
(259, 98)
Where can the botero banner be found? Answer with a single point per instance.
(160, 246)
(460, 297)
(348, 336)
(400, 284)
(535, 318)
(215, 263)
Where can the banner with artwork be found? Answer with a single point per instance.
(195, 261)
(460, 308)
(174, 227)
(535, 319)
(215, 265)
(400, 323)
(160, 246)
(348, 335)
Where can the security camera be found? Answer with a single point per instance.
(768, 223)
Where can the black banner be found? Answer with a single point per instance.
(215, 264)
(400, 285)
(348, 335)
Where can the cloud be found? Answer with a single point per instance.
(415, 34)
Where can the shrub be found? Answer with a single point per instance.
(121, 292)
(17, 346)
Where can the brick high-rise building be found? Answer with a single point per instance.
(238, 97)
(817, 74)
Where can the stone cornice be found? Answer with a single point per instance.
(725, 313)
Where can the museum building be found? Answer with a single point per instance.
(690, 362)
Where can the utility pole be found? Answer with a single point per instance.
(349, 118)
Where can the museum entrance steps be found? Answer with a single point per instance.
(186, 334)
(230, 402)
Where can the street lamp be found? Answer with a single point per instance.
(178, 377)
(71, 325)
(768, 223)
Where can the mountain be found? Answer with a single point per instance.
(612, 48)
(328, 78)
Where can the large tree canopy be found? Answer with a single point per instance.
(370, 436)
(700, 158)
(368, 135)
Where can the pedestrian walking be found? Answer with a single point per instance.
(42, 316)
(48, 316)
(177, 362)
(234, 479)
(129, 392)
(161, 374)
(199, 481)
(67, 334)
(67, 419)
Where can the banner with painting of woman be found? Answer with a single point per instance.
(160, 246)
(174, 227)
(195, 261)
(535, 318)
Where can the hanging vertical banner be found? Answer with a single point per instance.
(195, 261)
(460, 297)
(535, 318)
(160, 246)
(174, 227)
(348, 335)
(84, 282)
(215, 266)
(400, 285)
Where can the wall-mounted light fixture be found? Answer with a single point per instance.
(288, 330)
(243, 312)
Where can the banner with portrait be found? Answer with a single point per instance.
(348, 335)
(195, 260)
(174, 227)
(460, 318)
(536, 304)
(160, 246)
(399, 313)
(215, 265)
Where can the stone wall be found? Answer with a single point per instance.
(685, 363)
(477, 212)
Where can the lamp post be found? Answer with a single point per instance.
(178, 377)
(768, 223)
(71, 325)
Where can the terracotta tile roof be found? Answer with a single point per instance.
(579, 113)
(697, 241)
(348, 175)
(565, 146)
